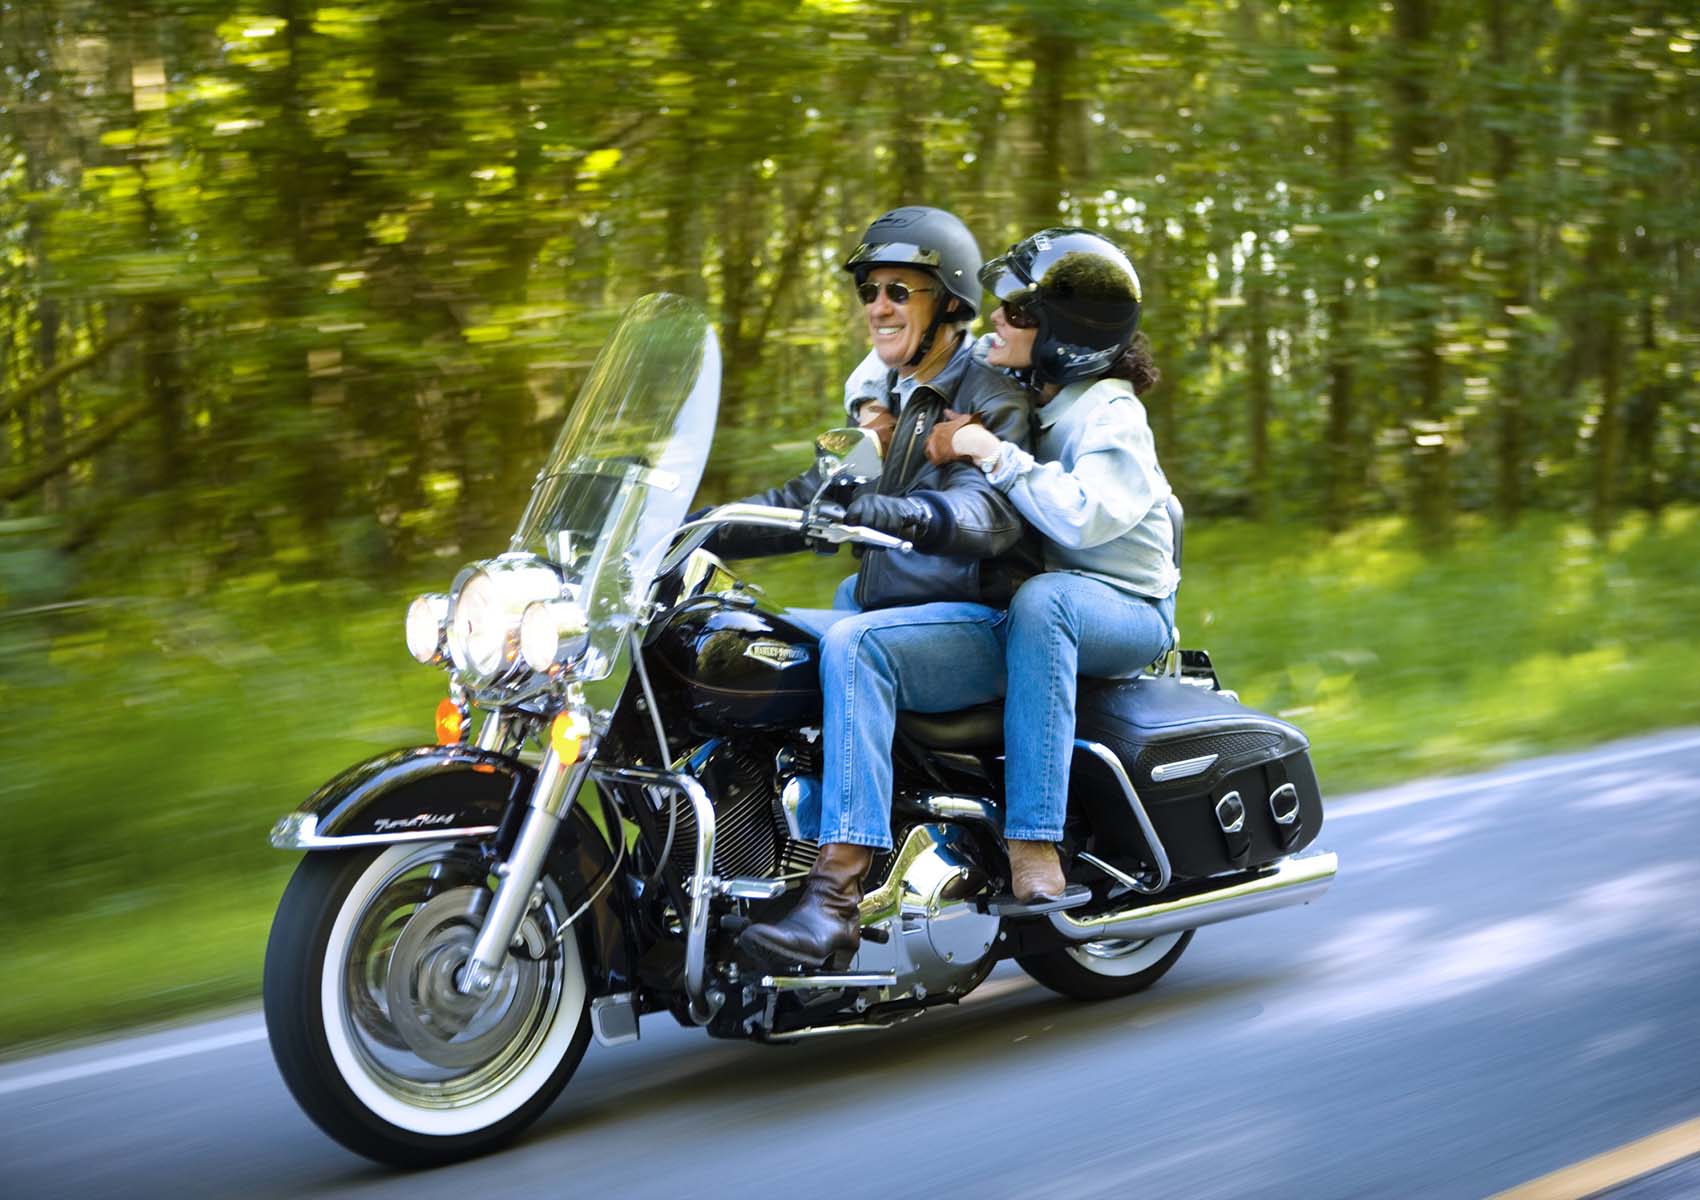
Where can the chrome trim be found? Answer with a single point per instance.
(1163, 873)
(614, 1019)
(1285, 792)
(797, 1035)
(790, 802)
(960, 808)
(1230, 813)
(746, 888)
(557, 784)
(886, 901)
(494, 731)
(1116, 873)
(696, 927)
(1184, 768)
(299, 831)
(1291, 881)
(803, 983)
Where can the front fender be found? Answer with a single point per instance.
(455, 793)
(424, 793)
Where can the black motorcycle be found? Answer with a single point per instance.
(471, 912)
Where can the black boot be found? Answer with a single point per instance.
(825, 922)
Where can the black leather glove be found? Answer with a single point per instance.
(911, 518)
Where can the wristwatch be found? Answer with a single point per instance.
(990, 463)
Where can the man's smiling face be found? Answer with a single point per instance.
(897, 329)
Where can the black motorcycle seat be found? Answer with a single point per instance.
(1141, 709)
(977, 728)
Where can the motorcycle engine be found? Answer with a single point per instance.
(751, 837)
(939, 943)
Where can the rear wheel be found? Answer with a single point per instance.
(1105, 970)
(368, 1030)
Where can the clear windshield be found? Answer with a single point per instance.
(627, 463)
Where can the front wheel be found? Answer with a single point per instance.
(1108, 969)
(368, 1030)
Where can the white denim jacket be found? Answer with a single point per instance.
(1094, 488)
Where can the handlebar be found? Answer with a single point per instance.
(794, 520)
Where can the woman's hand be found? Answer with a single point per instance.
(975, 443)
(942, 444)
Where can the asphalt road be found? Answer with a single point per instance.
(1504, 980)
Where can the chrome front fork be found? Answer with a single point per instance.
(557, 784)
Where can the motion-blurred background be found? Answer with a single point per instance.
(295, 296)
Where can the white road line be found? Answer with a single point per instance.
(1417, 793)
(139, 1058)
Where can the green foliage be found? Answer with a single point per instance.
(1406, 257)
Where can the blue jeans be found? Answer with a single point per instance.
(1062, 626)
(920, 658)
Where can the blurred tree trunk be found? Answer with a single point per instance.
(1258, 384)
(1511, 254)
(1342, 473)
(1415, 144)
(910, 181)
(1608, 285)
(1059, 120)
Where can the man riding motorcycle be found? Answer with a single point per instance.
(916, 273)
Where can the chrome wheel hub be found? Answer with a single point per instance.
(417, 1035)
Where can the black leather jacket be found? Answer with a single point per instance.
(988, 552)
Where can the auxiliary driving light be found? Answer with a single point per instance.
(553, 634)
(427, 628)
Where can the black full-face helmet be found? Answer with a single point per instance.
(928, 239)
(1082, 292)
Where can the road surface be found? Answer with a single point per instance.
(1503, 982)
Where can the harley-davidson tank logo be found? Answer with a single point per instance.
(776, 654)
(422, 821)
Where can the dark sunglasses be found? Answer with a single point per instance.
(899, 293)
(1019, 316)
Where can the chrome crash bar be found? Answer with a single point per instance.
(1161, 872)
(700, 886)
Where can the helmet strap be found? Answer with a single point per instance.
(926, 345)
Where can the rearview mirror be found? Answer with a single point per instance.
(852, 455)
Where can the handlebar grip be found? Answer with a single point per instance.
(873, 537)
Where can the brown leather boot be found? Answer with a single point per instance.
(825, 922)
(1035, 872)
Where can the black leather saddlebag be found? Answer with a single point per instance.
(1226, 787)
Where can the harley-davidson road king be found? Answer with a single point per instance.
(627, 735)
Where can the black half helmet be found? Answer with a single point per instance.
(1082, 291)
(928, 239)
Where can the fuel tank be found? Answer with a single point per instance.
(738, 668)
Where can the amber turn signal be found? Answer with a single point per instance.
(566, 735)
(449, 722)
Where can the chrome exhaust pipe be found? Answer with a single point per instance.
(1291, 881)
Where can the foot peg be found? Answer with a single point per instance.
(1006, 905)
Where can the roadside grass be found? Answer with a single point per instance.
(154, 743)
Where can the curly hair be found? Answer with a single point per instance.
(1136, 366)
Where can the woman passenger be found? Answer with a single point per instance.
(1105, 605)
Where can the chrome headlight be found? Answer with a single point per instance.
(484, 618)
(428, 627)
(553, 634)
